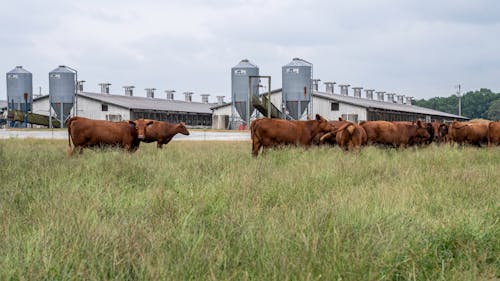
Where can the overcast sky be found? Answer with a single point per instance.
(417, 47)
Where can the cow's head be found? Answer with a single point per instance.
(430, 130)
(443, 132)
(323, 124)
(140, 126)
(422, 133)
(181, 128)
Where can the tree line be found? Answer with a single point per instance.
(475, 104)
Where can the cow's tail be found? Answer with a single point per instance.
(255, 138)
(68, 124)
(341, 128)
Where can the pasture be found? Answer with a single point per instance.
(208, 211)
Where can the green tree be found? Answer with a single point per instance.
(493, 112)
(475, 104)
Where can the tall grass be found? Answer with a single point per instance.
(208, 211)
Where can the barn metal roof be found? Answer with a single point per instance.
(143, 103)
(366, 103)
(384, 105)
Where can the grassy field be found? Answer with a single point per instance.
(208, 211)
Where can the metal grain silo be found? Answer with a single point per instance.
(239, 86)
(62, 91)
(19, 81)
(296, 83)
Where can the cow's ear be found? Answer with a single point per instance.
(150, 122)
(319, 118)
(341, 119)
(419, 124)
(131, 122)
(183, 124)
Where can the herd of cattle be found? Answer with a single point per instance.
(267, 133)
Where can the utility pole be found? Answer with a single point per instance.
(459, 94)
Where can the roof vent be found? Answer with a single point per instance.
(150, 92)
(104, 88)
(380, 95)
(369, 94)
(329, 87)
(170, 94)
(204, 98)
(188, 96)
(390, 97)
(220, 99)
(315, 84)
(79, 85)
(400, 98)
(409, 100)
(357, 91)
(129, 90)
(344, 89)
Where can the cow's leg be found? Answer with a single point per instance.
(255, 147)
(159, 144)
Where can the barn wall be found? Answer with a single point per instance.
(41, 106)
(93, 109)
(323, 107)
(224, 110)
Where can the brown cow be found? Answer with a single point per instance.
(349, 136)
(433, 130)
(494, 133)
(475, 133)
(443, 136)
(331, 137)
(397, 134)
(163, 132)
(418, 139)
(87, 133)
(268, 133)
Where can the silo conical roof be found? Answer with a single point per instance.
(62, 69)
(18, 70)
(298, 62)
(245, 64)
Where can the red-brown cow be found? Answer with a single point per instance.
(268, 133)
(87, 133)
(494, 133)
(443, 135)
(397, 134)
(433, 130)
(419, 139)
(475, 133)
(349, 136)
(163, 132)
(331, 138)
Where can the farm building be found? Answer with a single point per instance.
(105, 106)
(354, 108)
(300, 98)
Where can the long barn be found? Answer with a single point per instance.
(354, 108)
(103, 106)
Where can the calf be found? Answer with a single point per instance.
(87, 133)
(268, 133)
(162, 132)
